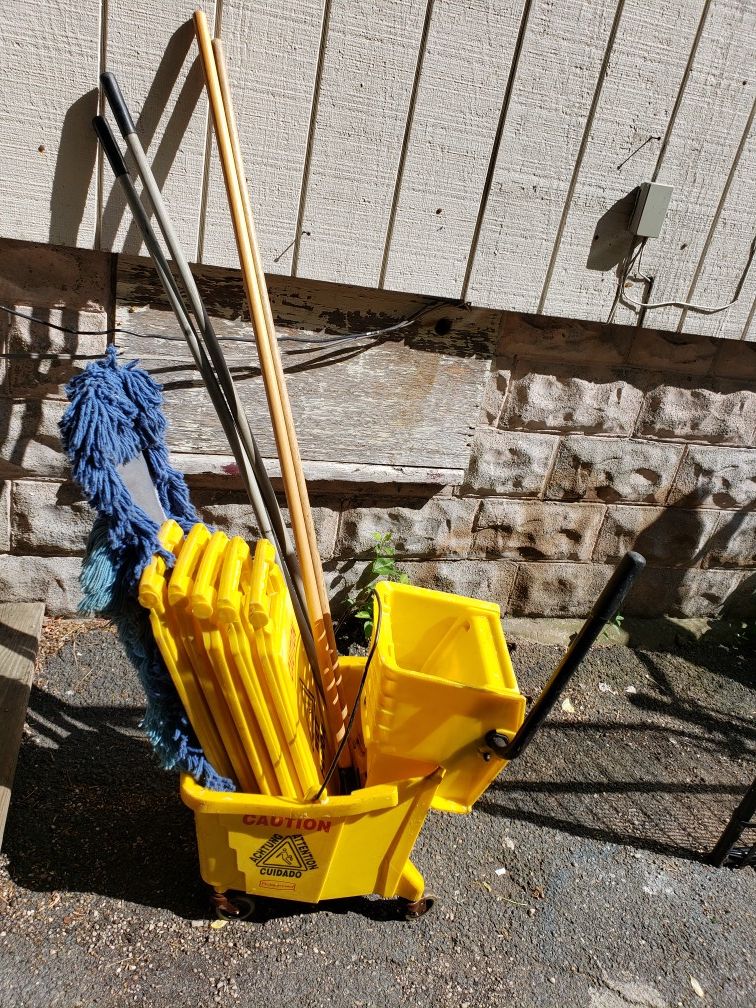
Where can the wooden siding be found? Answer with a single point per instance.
(151, 50)
(50, 56)
(484, 149)
(622, 148)
(702, 150)
(272, 57)
(361, 105)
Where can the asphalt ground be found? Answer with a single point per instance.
(578, 880)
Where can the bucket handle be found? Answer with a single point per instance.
(605, 609)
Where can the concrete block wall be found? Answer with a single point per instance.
(588, 440)
(591, 440)
(44, 522)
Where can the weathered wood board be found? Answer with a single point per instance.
(463, 78)
(20, 627)
(378, 402)
(49, 52)
(221, 471)
(272, 55)
(152, 52)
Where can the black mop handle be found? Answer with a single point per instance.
(109, 145)
(605, 609)
(117, 103)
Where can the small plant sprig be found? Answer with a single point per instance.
(616, 622)
(382, 567)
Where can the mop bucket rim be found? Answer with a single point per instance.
(387, 588)
(370, 799)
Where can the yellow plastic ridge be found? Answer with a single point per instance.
(180, 588)
(153, 595)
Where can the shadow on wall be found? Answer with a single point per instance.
(147, 122)
(77, 152)
(612, 238)
(74, 168)
(21, 422)
(674, 546)
(24, 420)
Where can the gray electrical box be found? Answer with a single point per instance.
(650, 209)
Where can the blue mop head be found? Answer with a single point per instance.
(116, 413)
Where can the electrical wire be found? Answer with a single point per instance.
(637, 258)
(69, 329)
(324, 340)
(363, 680)
(622, 279)
(370, 333)
(327, 339)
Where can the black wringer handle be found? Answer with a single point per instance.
(603, 612)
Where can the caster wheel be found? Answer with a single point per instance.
(411, 911)
(233, 906)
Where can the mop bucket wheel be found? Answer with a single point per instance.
(410, 910)
(233, 906)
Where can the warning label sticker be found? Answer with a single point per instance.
(284, 857)
(278, 886)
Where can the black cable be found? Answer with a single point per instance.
(326, 340)
(350, 722)
(374, 333)
(68, 329)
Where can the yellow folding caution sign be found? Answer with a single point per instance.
(153, 595)
(254, 609)
(250, 707)
(180, 586)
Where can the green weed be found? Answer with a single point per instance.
(382, 567)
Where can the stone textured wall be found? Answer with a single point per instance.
(590, 440)
(43, 520)
(597, 439)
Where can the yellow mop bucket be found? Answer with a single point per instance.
(438, 717)
(350, 845)
(439, 681)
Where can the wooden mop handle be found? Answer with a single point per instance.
(220, 64)
(326, 670)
